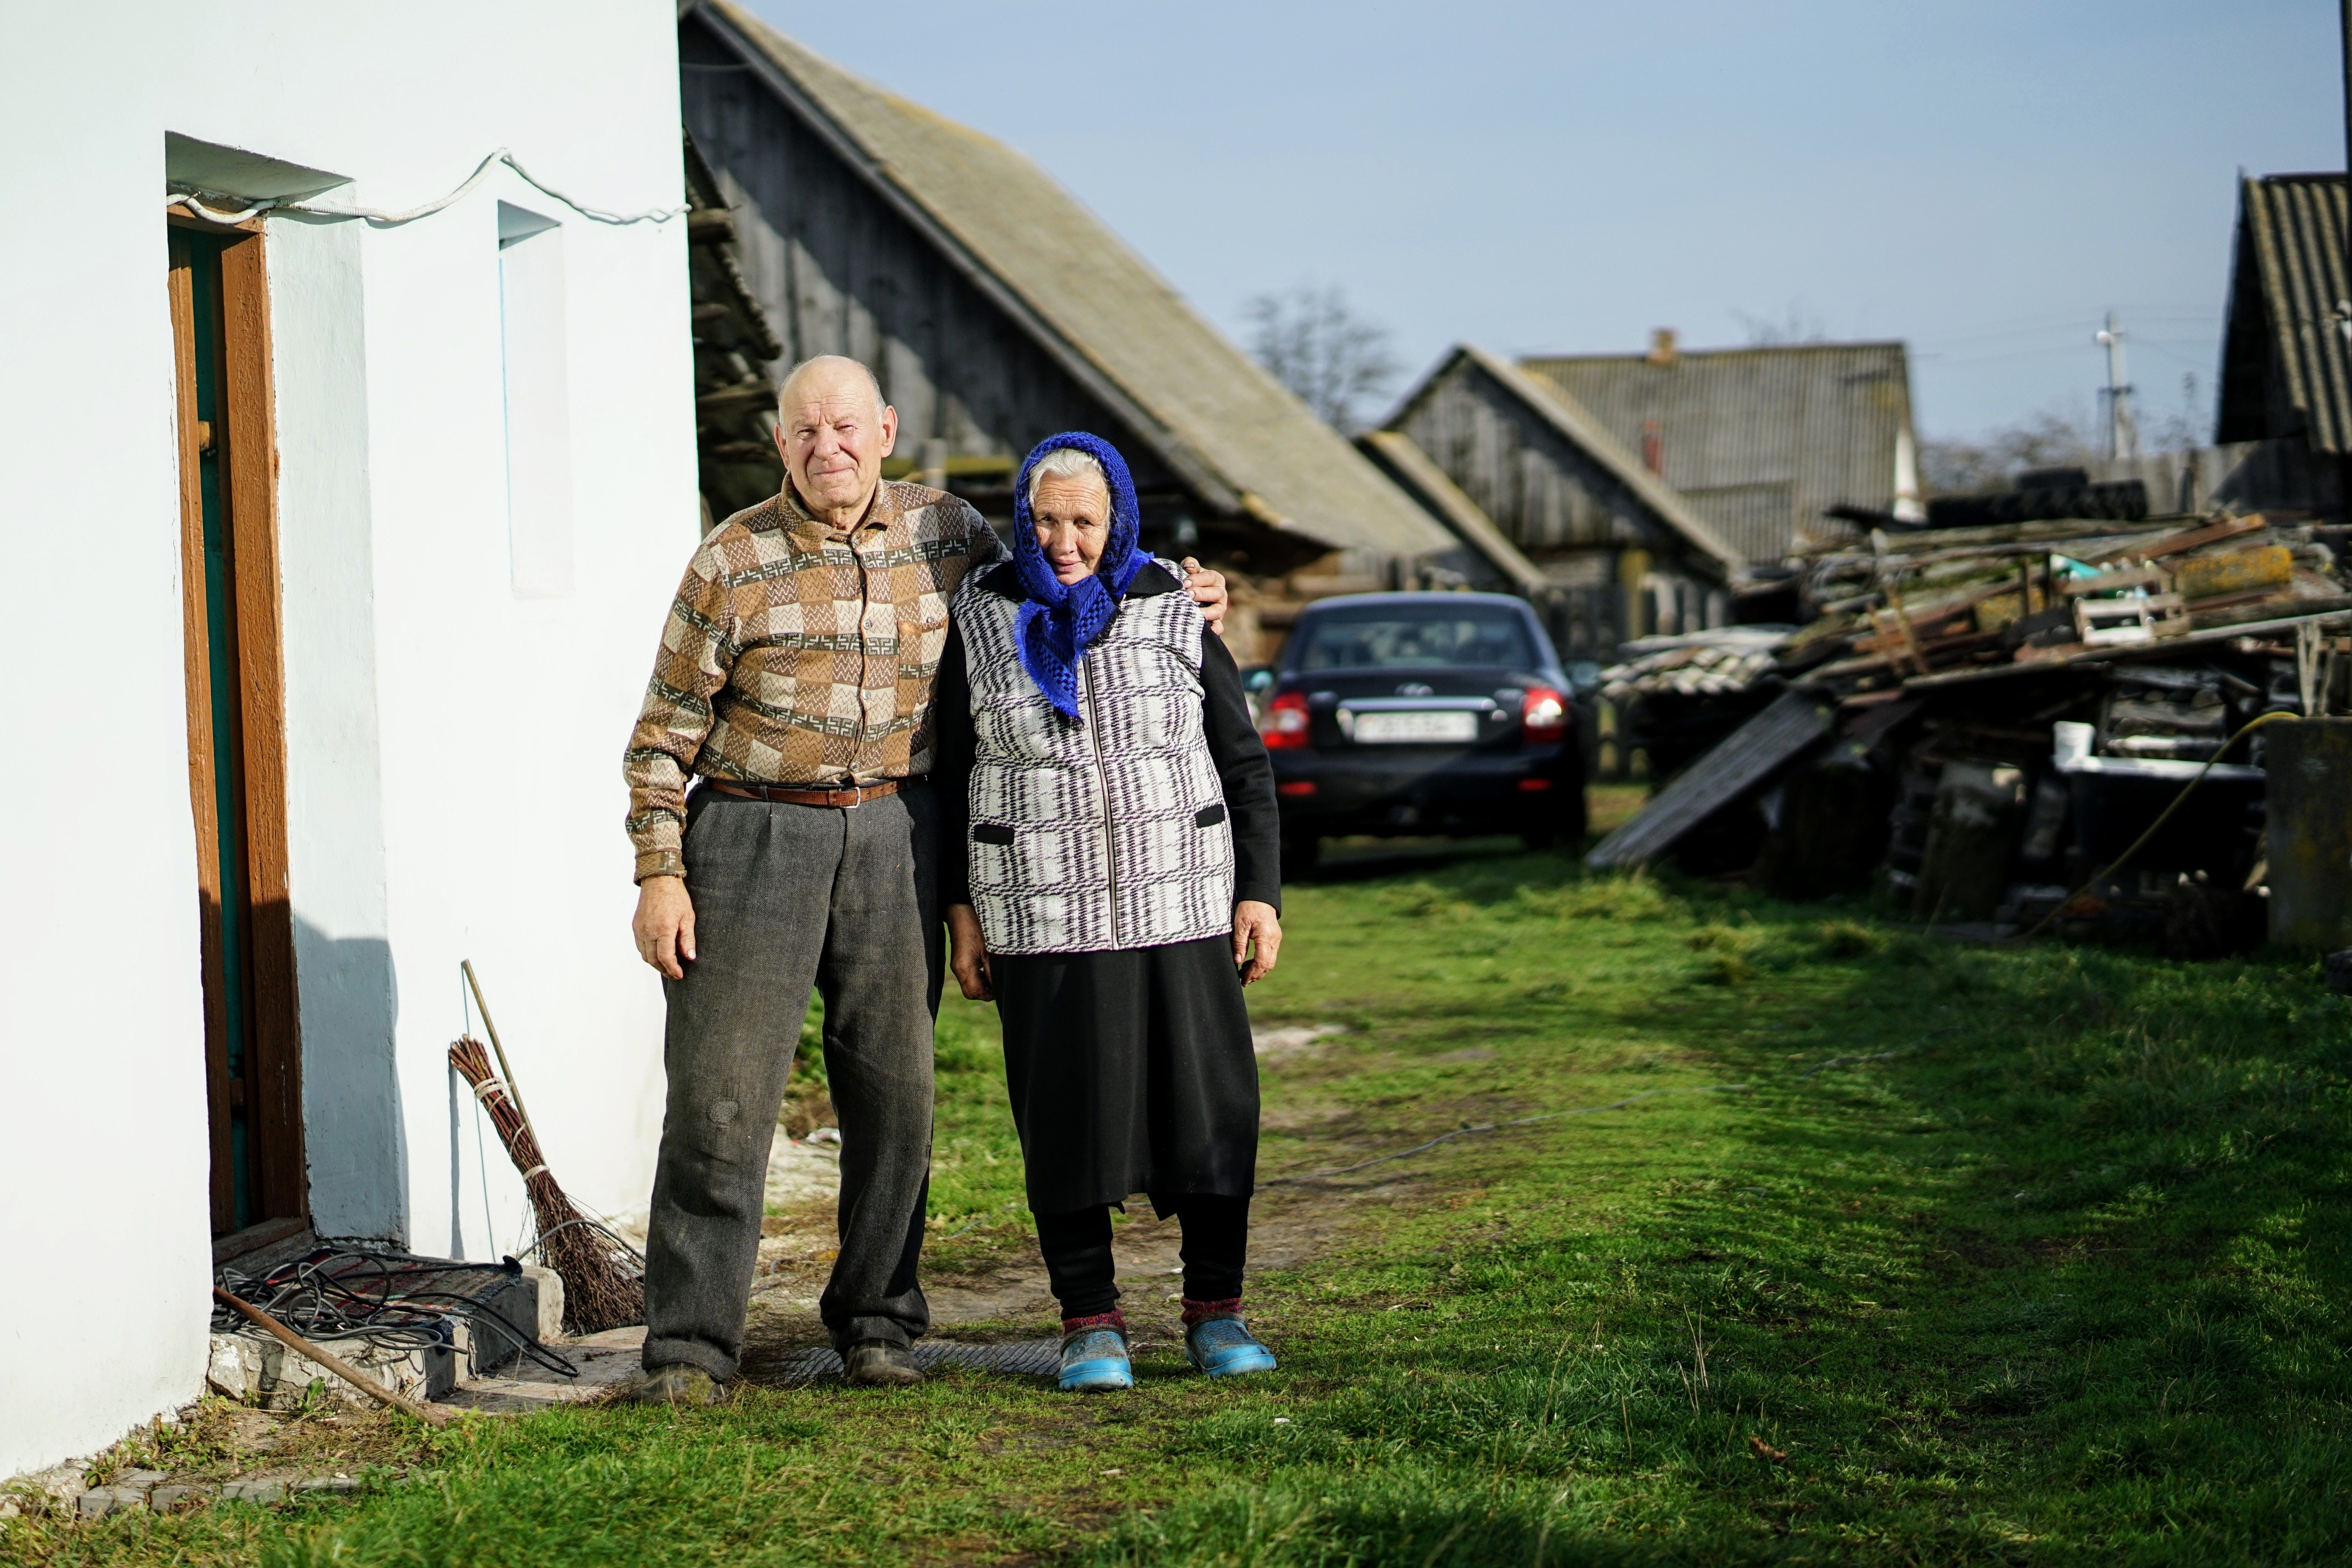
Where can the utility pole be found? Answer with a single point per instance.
(2123, 432)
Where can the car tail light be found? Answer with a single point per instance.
(1298, 788)
(1543, 715)
(1285, 726)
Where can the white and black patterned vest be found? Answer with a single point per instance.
(1106, 831)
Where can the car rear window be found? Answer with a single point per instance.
(1394, 636)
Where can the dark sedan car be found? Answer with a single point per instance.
(1419, 713)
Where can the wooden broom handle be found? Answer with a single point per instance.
(505, 1072)
(332, 1362)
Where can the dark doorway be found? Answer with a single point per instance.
(236, 771)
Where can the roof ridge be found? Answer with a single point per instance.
(1840, 343)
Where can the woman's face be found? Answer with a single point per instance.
(1072, 519)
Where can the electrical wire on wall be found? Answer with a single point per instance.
(192, 199)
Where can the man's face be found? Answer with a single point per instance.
(834, 439)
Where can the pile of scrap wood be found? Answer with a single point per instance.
(1979, 721)
(1676, 697)
(1957, 599)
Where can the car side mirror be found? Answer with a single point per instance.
(1258, 679)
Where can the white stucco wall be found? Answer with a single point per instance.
(453, 749)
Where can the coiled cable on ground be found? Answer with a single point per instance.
(385, 1301)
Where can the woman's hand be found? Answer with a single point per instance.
(968, 953)
(1253, 923)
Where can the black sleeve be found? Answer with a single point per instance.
(1247, 774)
(951, 750)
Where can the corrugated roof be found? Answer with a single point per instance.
(2284, 358)
(1758, 440)
(1230, 430)
(1417, 471)
(1561, 409)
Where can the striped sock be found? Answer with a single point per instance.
(1199, 1312)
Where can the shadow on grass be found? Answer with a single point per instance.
(2013, 1255)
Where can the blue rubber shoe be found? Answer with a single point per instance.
(1094, 1361)
(1224, 1347)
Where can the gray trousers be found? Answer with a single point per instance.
(787, 897)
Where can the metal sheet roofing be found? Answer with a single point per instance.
(1746, 758)
(1233, 434)
(1758, 440)
(2284, 370)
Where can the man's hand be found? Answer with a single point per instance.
(665, 925)
(1208, 590)
(1255, 922)
(969, 953)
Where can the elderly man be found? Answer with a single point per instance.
(794, 678)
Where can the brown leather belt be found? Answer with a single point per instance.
(845, 799)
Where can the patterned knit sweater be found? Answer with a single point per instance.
(796, 654)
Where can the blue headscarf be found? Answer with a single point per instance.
(1060, 620)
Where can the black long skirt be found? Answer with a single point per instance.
(1130, 1072)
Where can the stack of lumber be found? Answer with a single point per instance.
(1959, 600)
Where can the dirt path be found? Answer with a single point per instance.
(1289, 1227)
(1007, 1297)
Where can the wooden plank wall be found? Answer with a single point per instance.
(838, 272)
(1570, 515)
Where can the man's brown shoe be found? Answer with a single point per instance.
(675, 1383)
(879, 1363)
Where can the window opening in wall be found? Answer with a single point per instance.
(538, 403)
(236, 776)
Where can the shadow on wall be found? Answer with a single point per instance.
(350, 1092)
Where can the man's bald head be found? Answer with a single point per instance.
(827, 373)
(833, 430)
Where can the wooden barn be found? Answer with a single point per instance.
(996, 310)
(1625, 555)
(2286, 416)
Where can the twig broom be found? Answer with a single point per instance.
(603, 1279)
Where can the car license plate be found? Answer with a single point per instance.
(1393, 728)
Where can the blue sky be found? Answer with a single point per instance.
(1982, 180)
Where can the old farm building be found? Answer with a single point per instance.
(1625, 554)
(1760, 441)
(2286, 374)
(996, 311)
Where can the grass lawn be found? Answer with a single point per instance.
(1926, 1255)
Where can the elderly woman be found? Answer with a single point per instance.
(1117, 890)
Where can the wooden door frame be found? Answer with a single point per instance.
(245, 429)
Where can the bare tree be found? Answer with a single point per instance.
(1799, 326)
(1314, 344)
(2045, 440)
(2182, 430)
